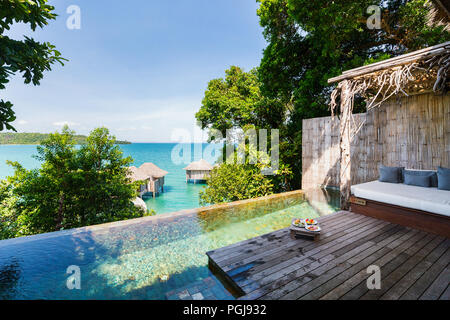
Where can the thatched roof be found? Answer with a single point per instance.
(151, 170)
(417, 72)
(135, 174)
(439, 14)
(201, 165)
(412, 57)
(145, 172)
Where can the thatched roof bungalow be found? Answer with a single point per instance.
(152, 175)
(198, 171)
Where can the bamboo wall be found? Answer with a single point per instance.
(413, 132)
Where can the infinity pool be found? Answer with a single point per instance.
(145, 258)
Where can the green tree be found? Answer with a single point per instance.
(236, 101)
(28, 57)
(9, 224)
(233, 182)
(75, 186)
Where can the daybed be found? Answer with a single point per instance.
(422, 208)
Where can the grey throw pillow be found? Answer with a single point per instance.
(443, 175)
(390, 174)
(415, 178)
(426, 173)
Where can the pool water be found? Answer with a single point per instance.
(143, 258)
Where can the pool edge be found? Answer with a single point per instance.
(155, 218)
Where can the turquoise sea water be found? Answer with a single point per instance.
(177, 194)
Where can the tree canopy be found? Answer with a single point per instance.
(75, 186)
(236, 101)
(27, 57)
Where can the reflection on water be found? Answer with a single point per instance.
(143, 260)
(9, 277)
(324, 201)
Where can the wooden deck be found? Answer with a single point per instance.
(414, 264)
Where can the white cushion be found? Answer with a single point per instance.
(420, 198)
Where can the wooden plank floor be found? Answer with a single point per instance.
(414, 264)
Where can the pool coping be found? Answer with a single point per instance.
(155, 218)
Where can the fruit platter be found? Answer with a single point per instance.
(310, 222)
(299, 223)
(313, 228)
(305, 227)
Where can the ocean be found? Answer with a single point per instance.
(172, 157)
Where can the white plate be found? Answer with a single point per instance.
(298, 225)
(304, 222)
(318, 228)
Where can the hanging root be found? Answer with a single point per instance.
(379, 86)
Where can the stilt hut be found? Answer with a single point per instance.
(152, 175)
(198, 171)
(136, 175)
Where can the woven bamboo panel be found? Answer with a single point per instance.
(413, 132)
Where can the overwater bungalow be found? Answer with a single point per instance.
(152, 175)
(198, 171)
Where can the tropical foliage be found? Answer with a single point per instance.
(233, 105)
(236, 101)
(27, 57)
(233, 182)
(75, 187)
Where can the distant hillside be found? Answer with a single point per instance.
(36, 138)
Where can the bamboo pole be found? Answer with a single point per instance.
(345, 140)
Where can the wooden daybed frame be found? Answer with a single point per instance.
(417, 219)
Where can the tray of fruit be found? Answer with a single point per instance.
(310, 222)
(299, 223)
(313, 228)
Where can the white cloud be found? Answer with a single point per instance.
(63, 123)
(22, 122)
(127, 129)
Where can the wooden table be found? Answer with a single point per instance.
(299, 233)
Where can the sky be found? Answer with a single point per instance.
(140, 67)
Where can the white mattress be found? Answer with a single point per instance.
(420, 198)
